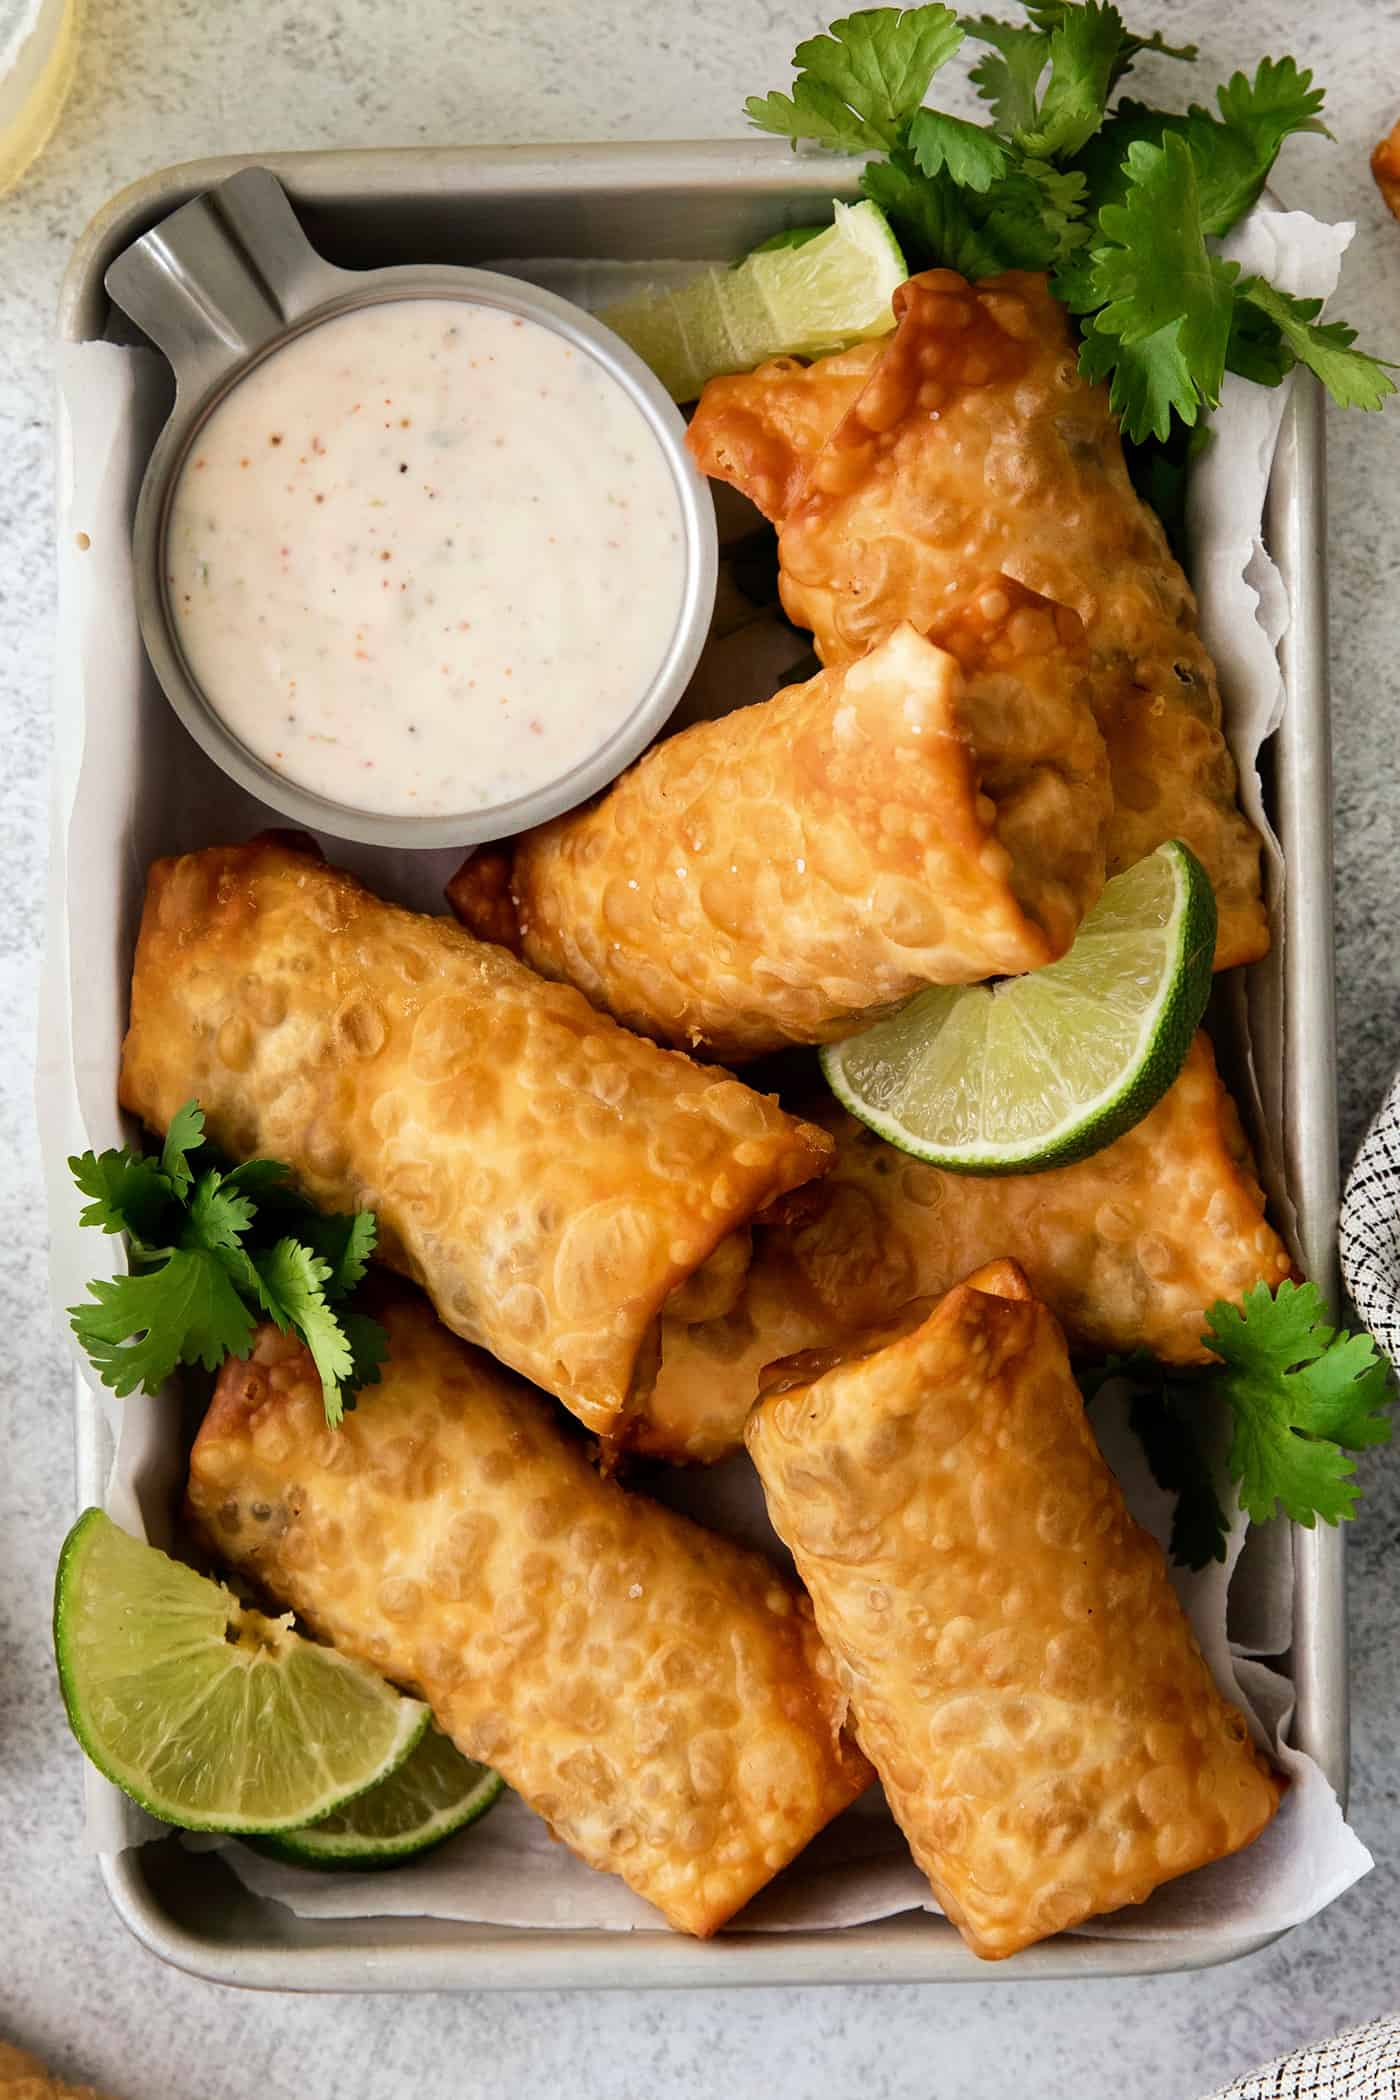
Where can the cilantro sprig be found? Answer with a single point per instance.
(1125, 203)
(214, 1250)
(1301, 1395)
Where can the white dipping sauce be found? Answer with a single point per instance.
(425, 558)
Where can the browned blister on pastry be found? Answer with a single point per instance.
(1128, 1248)
(1021, 1673)
(658, 1694)
(787, 873)
(975, 448)
(547, 1177)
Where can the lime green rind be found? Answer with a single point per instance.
(435, 1794)
(952, 1029)
(190, 1734)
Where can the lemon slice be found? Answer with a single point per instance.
(1041, 1070)
(794, 297)
(434, 1793)
(210, 1715)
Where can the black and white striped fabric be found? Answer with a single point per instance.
(1370, 1227)
(1361, 2065)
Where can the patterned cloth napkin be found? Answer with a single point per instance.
(1361, 2065)
(1370, 1232)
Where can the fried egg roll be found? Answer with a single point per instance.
(1128, 1248)
(658, 1694)
(788, 872)
(973, 449)
(1020, 1671)
(548, 1178)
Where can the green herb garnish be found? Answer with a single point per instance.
(1301, 1394)
(213, 1251)
(1122, 202)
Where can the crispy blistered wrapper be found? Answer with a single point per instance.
(658, 1694)
(759, 431)
(793, 870)
(1021, 1673)
(547, 1177)
(975, 448)
(1128, 1248)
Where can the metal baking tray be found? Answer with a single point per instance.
(712, 201)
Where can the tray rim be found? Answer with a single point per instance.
(322, 1955)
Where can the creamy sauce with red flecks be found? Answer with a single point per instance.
(425, 558)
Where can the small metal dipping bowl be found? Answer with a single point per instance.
(224, 283)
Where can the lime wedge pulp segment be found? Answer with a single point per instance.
(1038, 1071)
(210, 1715)
(797, 299)
(434, 1793)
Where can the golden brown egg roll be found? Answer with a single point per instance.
(1020, 1671)
(788, 872)
(974, 449)
(1128, 1248)
(658, 1694)
(548, 1178)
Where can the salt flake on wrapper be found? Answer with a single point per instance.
(128, 785)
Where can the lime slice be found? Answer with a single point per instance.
(1037, 1071)
(434, 1792)
(795, 300)
(210, 1715)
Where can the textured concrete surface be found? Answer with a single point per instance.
(165, 80)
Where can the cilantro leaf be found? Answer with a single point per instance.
(128, 1193)
(369, 1347)
(214, 1251)
(185, 1135)
(1233, 153)
(258, 1178)
(858, 87)
(1301, 1395)
(137, 1328)
(1279, 101)
(1200, 1527)
(1148, 381)
(292, 1283)
(1084, 46)
(1353, 379)
(218, 1216)
(1256, 349)
(344, 1243)
(1036, 216)
(1165, 296)
(1053, 14)
(812, 111)
(1008, 75)
(932, 217)
(973, 156)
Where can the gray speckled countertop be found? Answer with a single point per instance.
(167, 80)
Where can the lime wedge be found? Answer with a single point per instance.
(798, 299)
(434, 1792)
(210, 1715)
(1037, 1071)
